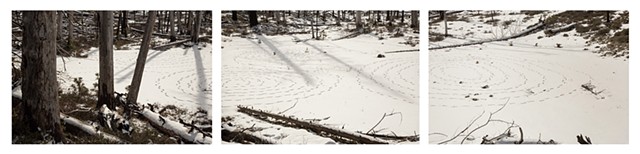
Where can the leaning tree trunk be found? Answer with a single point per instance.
(39, 83)
(132, 98)
(196, 27)
(105, 82)
(172, 29)
(253, 18)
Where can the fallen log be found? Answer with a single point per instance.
(71, 121)
(141, 31)
(335, 134)
(232, 134)
(551, 32)
(398, 51)
(169, 45)
(532, 29)
(414, 138)
(174, 129)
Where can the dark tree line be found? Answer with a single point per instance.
(315, 18)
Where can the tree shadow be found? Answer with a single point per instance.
(392, 91)
(284, 58)
(201, 97)
(130, 72)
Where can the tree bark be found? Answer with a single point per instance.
(118, 31)
(39, 83)
(179, 24)
(125, 24)
(359, 20)
(196, 27)
(313, 32)
(166, 21)
(253, 18)
(105, 82)
(59, 25)
(234, 16)
(172, 29)
(414, 20)
(402, 17)
(70, 28)
(189, 19)
(159, 28)
(388, 15)
(132, 98)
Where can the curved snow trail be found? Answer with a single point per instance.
(352, 88)
(178, 76)
(543, 87)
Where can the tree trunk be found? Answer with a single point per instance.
(313, 32)
(388, 15)
(253, 18)
(284, 18)
(359, 20)
(414, 20)
(132, 98)
(134, 15)
(402, 17)
(172, 29)
(316, 24)
(105, 82)
(125, 24)
(196, 27)
(59, 25)
(189, 19)
(179, 24)
(70, 28)
(277, 17)
(118, 31)
(39, 83)
(234, 16)
(166, 22)
(159, 17)
(446, 29)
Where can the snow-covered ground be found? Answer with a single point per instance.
(178, 76)
(540, 84)
(340, 83)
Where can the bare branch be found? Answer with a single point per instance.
(464, 130)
